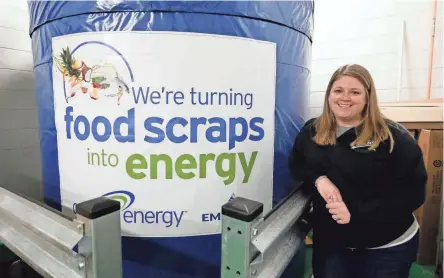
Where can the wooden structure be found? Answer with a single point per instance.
(422, 114)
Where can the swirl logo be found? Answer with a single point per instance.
(125, 198)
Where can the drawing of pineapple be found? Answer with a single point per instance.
(75, 72)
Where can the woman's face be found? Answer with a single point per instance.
(347, 100)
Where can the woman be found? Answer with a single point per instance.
(370, 177)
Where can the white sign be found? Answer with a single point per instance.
(173, 125)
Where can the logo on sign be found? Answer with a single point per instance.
(125, 198)
(95, 81)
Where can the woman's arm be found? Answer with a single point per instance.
(410, 179)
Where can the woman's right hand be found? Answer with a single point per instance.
(328, 190)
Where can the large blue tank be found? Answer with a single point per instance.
(288, 24)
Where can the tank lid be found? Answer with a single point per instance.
(297, 15)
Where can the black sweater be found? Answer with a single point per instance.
(380, 189)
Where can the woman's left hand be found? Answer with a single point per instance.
(339, 212)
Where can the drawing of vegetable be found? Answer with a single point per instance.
(98, 79)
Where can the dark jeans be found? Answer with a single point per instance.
(393, 262)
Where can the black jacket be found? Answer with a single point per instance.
(381, 189)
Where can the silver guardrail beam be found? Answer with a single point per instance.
(261, 246)
(88, 246)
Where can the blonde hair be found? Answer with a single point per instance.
(373, 128)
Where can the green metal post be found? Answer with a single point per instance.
(238, 217)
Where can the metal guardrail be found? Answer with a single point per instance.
(88, 246)
(258, 246)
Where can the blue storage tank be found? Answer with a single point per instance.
(287, 24)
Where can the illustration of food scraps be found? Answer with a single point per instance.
(96, 80)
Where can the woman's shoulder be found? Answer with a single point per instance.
(398, 130)
(306, 132)
(309, 128)
(401, 135)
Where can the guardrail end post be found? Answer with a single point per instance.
(238, 217)
(102, 246)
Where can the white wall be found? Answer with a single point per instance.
(20, 168)
(368, 32)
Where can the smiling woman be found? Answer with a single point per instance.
(370, 177)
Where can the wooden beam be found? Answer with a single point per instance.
(423, 125)
(429, 111)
